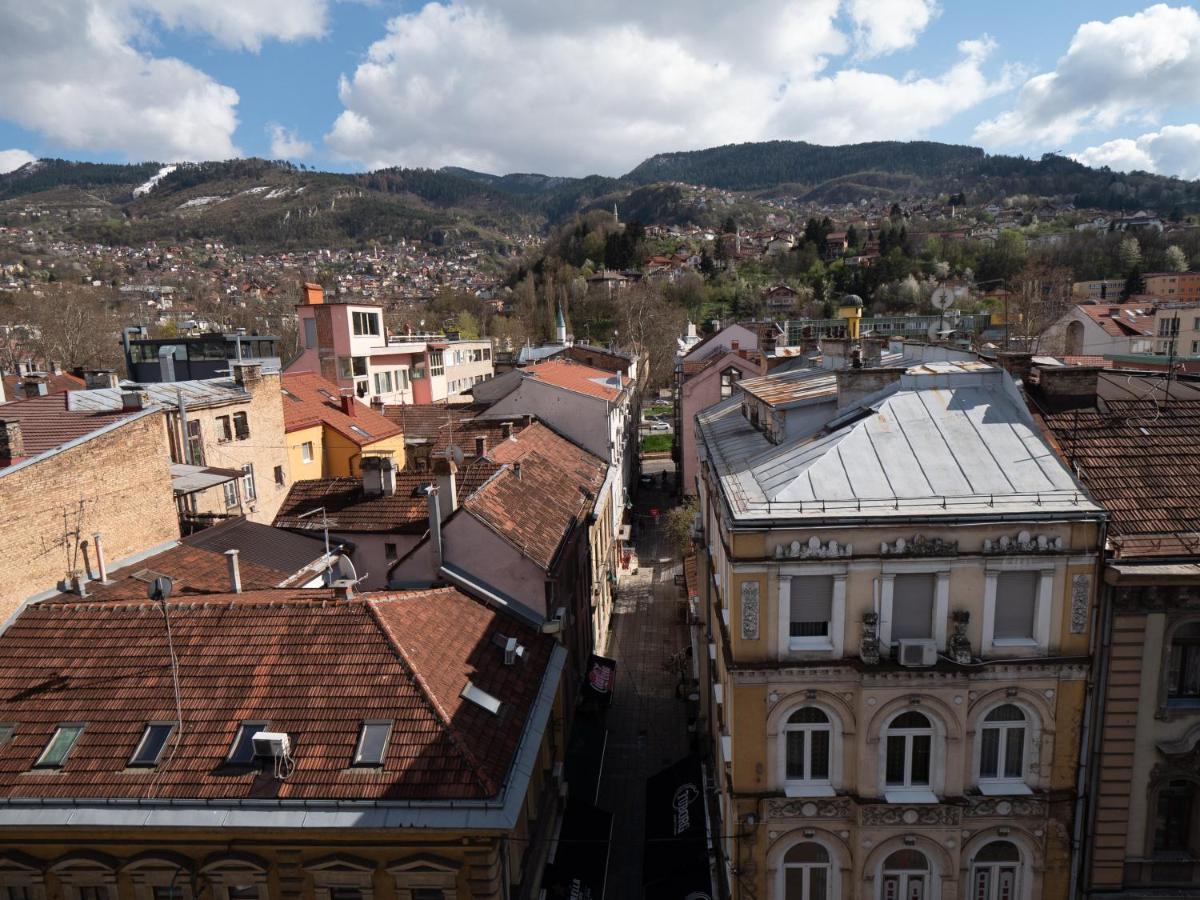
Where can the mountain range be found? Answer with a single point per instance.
(261, 203)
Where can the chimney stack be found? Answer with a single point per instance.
(378, 476)
(79, 582)
(101, 565)
(235, 571)
(447, 482)
(872, 352)
(481, 446)
(435, 525)
(35, 385)
(505, 430)
(95, 379)
(348, 404)
(247, 376)
(12, 441)
(1015, 363)
(517, 468)
(834, 353)
(314, 294)
(131, 401)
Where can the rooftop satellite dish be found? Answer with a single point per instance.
(455, 453)
(943, 297)
(345, 568)
(160, 588)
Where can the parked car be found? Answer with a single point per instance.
(660, 428)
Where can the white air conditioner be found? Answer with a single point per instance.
(917, 653)
(271, 743)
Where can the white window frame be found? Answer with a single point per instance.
(249, 488)
(306, 452)
(828, 866)
(1020, 889)
(808, 787)
(941, 598)
(1042, 606)
(999, 787)
(830, 646)
(908, 792)
(932, 875)
(230, 489)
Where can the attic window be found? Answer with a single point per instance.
(6, 733)
(359, 431)
(150, 748)
(148, 575)
(373, 742)
(480, 698)
(60, 745)
(241, 753)
(328, 396)
(291, 396)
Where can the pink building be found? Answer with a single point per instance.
(346, 343)
(705, 381)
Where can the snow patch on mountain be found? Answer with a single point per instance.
(158, 176)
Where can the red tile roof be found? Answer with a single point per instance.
(1140, 462)
(1122, 319)
(537, 510)
(304, 405)
(349, 509)
(55, 384)
(576, 377)
(424, 420)
(46, 423)
(311, 666)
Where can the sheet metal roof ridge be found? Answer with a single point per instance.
(82, 439)
(200, 393)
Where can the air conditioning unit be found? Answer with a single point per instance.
(917, 654)
(271, 744)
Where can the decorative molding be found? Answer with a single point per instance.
(1081, 589)
(1023, 543)
(919, 545)
(868, 648)
(959, 645)
(750, 592)
(813, 549)
(809, 808)
(1004, 807)
(1157, 598)
(889, 814)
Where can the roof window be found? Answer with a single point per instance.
(360, 431)
(481, 698)
(59, 748)
(373, 742)
(6, 733)
(241, 753)
(150, 747)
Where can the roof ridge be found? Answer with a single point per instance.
(478, 771)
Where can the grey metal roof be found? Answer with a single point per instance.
(187, 479)
(948, 439)
(196, 394)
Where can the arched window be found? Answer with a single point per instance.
(905, 876)
(808, 738)
(1002, 746)
(994, 871)
(806, 872)
(1183, 664)
(909, 749)
(1175, 819)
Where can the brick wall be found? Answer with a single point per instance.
(117, 484)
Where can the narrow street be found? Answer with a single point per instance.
(647, 722)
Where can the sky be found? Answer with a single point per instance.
(572, 88)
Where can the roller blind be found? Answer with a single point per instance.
(912, 607)
(812, 602)
(1016, 599)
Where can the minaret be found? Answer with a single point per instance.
(616, 218)
(560, 325)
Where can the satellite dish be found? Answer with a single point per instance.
(943, 298)
(160, 588)
(345, 568)
(455, 453)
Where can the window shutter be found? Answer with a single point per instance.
(1016, 597)
(812, 598)
(912, 607)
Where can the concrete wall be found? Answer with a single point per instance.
(117, 484)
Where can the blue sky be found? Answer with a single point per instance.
(532, 85)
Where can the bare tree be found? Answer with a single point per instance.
(650, 326)
(1039, 296)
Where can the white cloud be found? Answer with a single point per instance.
(513, 86)
(286, 144)
(1173, 150)
(83, 74)
(1130, 68)
(10, 160)
(884, 26)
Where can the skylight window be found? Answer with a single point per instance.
(6, 733)
(372, 743)
(150, 748)
(480, 697)
(242, 751)
(360, 431)
(59, 747)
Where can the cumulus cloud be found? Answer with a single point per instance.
(77, 72)
(513, 85)
(1173, 150)
(11, 160)
(884, 26)
(286, 144)
(1129, 68)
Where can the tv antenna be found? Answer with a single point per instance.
(159, 590)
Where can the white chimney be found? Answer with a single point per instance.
(447, 473)
(101, 566)
(235, 572)
(435, 526)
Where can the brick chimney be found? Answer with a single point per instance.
(1015, 363)
(247, 376)
(1062, 387)
(12, 442)
(35, 385)
(100, 378)
(349, 406)
(835, 353)
(314, 294)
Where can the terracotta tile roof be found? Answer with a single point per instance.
(311, 666)
(1139, 461)
(1100, 361)
(260, 544)
(423, 421)
(576, 377)
(310, 400)
(537, 510)
(1122, 319)
(349, 509)
(55, 384)
(46, 423)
